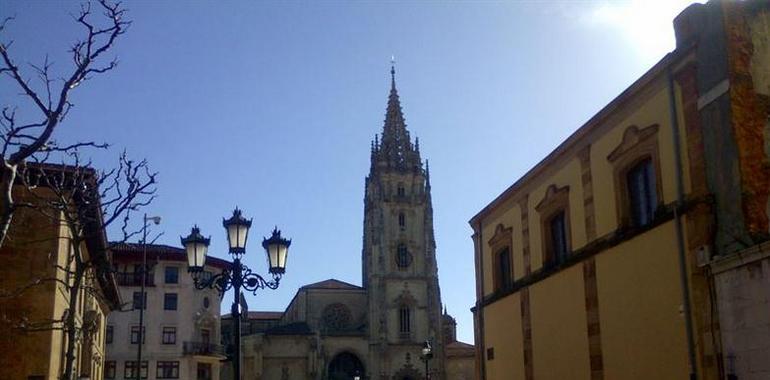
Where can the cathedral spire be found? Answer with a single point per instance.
(396, 149)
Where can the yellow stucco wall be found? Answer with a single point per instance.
(642, 329)
(503, 333)
(559, 333)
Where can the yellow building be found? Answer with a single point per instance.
(598, 262)
(33, 295)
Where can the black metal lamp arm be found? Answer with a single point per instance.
(227, 279)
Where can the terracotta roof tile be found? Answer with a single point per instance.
(133, 251)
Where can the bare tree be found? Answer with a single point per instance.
(23, 137)
(86, 202)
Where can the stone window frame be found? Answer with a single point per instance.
(405, 302)
(408, 258)
(501, 242)
(636, 146)
(336, 316)
(554, 202)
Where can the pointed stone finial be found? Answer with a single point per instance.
(417, 144)
(393, 72)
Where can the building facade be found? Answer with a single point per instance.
(35, 291)
(336, 330)
(635, 250)
(181, 324)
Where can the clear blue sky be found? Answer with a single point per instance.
(271, 106)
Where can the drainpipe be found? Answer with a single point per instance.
(679, 230)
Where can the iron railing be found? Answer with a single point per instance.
(203, 348)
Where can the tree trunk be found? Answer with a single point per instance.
(70, 327)
(7, 177)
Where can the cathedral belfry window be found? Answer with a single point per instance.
(403, 258)
(400, 191)
(401, 221)
(404, 321)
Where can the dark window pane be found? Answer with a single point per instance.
(504, 269)
(172, 275)
(108, 334)
(140, 303)
(642, 195)
(405, 320)
(558, 238)
(169, 301)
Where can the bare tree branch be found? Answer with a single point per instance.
(35, 138)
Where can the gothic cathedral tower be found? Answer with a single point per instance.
(399, 256)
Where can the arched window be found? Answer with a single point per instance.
(636, 165)
(402, 221)
(400, 191)
(404, 321)
(403, 258)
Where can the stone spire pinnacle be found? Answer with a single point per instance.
(396, 150)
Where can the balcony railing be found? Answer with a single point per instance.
(133, 279)
(203, 348)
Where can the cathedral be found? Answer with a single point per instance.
(336, 330)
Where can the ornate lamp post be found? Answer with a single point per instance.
(427, 354)
(238, 276)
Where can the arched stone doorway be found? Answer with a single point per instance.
(345, 366)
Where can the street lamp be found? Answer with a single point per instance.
(238, 276)
(427, 354)
(143, 273)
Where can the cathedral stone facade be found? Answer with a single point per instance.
(335, 330)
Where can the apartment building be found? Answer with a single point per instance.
(181, 324)
(37, 287)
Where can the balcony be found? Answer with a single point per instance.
(134, 279)
(203, 349)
